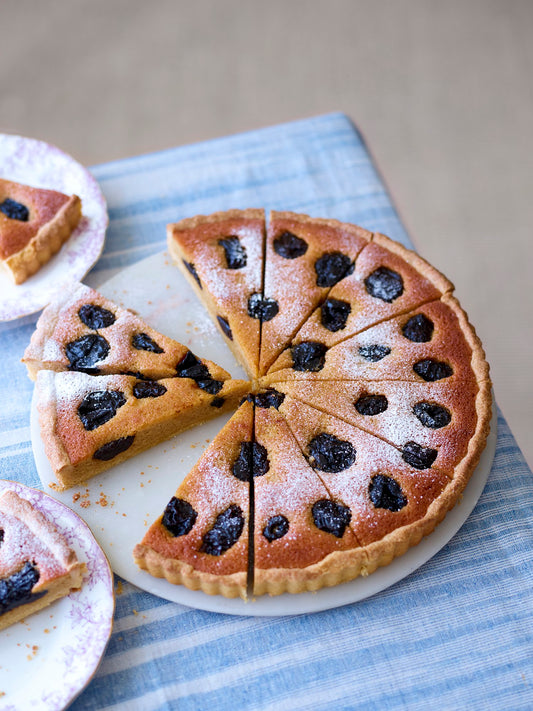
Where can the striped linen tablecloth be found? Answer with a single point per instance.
(455, 634)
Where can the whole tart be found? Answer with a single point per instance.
(37, 566)
(34, 224)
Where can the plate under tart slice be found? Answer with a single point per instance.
(432, 343)
(388, 280)
(393, 504)
(302, 540)
(90, 423)
(443, 421)
(201, 540)
(305, 258)
(37, 566)
(221, 256)
(34, 224)
(84, 331)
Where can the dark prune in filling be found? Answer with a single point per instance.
(432, 415)
(308, 356)
(419, 329)
(99, 407)
(96, 317)
(112, 449)
(252, 460)
(148, 388)
(179, 517)
(276, 527)
(289, 246)
(431, 370)
(417, 456)
(217, 402)
(225, 327)
(210, 385)
(234, 252)
(374, 353)
(384, 284)
(334, 314)
(143, 342)
(331, 517)
(371, 404)
(192, 270)
(270, 398)
(331, 267)
(16, 589)
(262, 307)
(225, 533)
(86, 351)
(192, 367)
(386, 493)
(15, 210)
(328, 453)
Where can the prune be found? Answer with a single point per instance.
(270, 398)
(432, 415)
(15, 210)
(308, 355)
(225, 327)
(99, 407)
(143, 342)
(419, 329)
(225, 533)
(331, 517)
(148, 388)
(386, 493)
(276, 527)
(86, 351)
(262, 307)
(417, 456)
(252, 459)
(371, 404)
(192, 270)
(217, 402)
(289, 246)
(96, 317)
(192, 367)
(179, 517)
(384, 284)
(112, 449)
(374, 353)
(328, 453)
(234, 251)
(210, 385)
(334, 314)
(16, 589)
(431, 370)
(331, 267)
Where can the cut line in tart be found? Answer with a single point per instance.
(37, 566)
(34, 224)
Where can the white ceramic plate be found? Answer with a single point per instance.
(121, 503)
(49, 658)
(35, 163)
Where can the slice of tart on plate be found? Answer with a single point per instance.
(37, 566)
(34, 224)
(90, 423)
(202, 539)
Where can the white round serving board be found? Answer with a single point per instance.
(41, 165)
(47, 659)
(120, 504)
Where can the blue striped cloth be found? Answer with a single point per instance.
(455, 634)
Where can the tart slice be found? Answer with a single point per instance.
(388, 280)
(201, 540)
(90, 423)
(84, 331)
(37, 566)
(34, 224)
(305, 258)
(302, 537)
(221, 256)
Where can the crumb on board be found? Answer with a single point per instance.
(76, 497)
(118, 588)
(85, 504)
(53, 486)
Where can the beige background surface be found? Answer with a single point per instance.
(443, 92)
